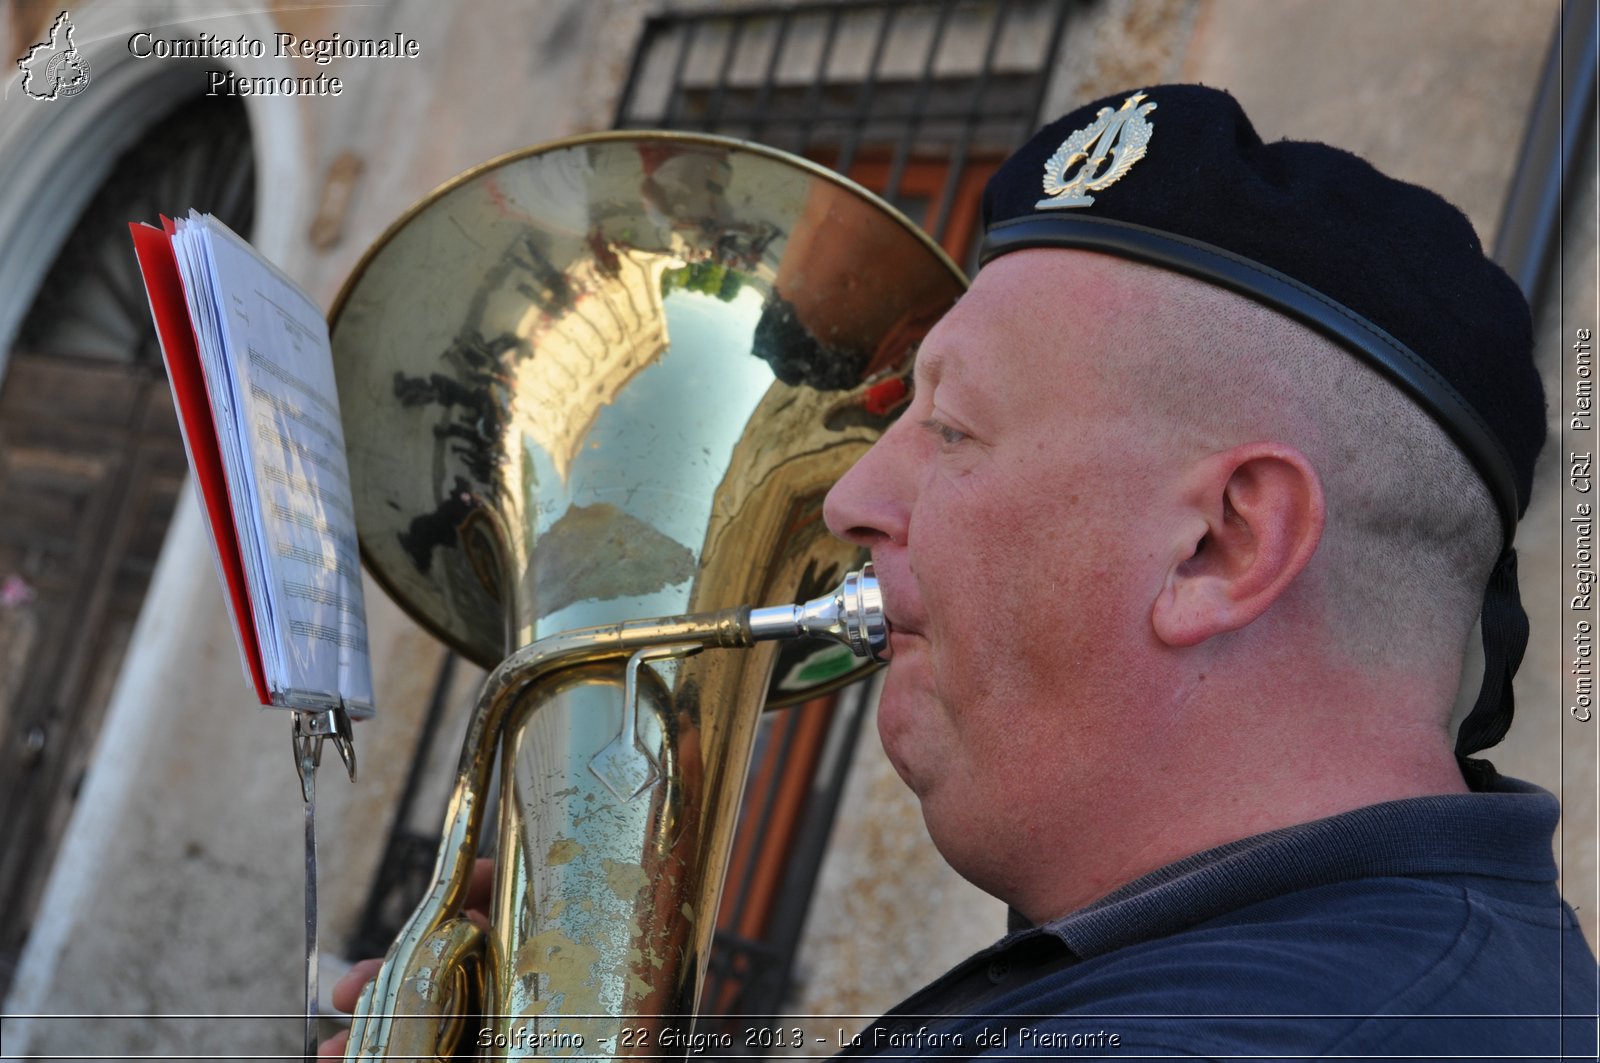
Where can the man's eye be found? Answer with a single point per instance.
(947, 435)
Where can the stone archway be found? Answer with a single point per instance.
(54, 155)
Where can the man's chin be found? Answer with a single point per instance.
(903, 771)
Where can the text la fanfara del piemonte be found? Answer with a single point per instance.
(320, 50)
(1580, 523)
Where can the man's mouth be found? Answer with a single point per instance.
(894, 614)
(899, 636)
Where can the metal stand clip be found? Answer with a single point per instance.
(310, 730)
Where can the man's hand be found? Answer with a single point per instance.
(347, 990)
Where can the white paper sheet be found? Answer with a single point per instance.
(269, 374)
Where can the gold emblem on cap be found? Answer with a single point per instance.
(1117, 139)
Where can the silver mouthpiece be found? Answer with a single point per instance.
(852, 614)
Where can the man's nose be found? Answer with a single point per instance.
(867, 506)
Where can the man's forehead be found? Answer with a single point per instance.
(1046, 296)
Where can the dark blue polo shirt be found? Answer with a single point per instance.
(1429, 927)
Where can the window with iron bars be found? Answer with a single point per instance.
(918, 100)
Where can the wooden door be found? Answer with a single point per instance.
(91, 463)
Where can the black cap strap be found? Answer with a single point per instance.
(1505, 638)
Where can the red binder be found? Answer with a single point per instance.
(178, 349)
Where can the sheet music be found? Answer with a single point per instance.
(269, 375)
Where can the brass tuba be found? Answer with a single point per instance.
(607, 378)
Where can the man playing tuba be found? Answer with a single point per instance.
(1199, 495)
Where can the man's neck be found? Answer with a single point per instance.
(1231, 774)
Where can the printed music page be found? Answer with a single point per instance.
(268, 368)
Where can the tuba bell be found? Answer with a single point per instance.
(604, 379)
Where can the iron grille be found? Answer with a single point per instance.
(957, 81)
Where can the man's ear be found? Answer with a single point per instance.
(1254, 517)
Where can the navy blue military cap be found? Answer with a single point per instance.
(1176, 176)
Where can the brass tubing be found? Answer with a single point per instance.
(409, 958)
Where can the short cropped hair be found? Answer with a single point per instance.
(1412, 531)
